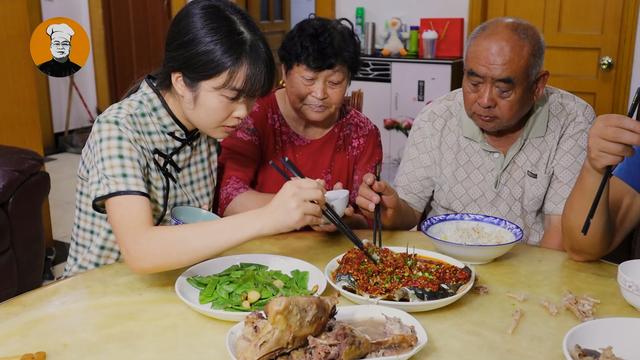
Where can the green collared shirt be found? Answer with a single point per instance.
(536, 126)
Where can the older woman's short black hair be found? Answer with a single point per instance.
(321, 44)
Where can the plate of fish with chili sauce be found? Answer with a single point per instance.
(412, 280)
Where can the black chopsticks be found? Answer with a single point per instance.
(327, 211)
(609, 170)
(377, 222)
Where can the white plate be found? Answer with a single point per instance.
(356, 312)
(414, 306)
(619, 333)
(190, 294)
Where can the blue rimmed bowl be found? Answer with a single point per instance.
(190, 215)
(471, 238)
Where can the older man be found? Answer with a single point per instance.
(60, 65)
(505, 144)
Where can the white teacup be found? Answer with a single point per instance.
(339, 199)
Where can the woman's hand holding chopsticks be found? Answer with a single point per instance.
(328, 210)
(300, 202)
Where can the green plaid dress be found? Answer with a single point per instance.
(137, 147)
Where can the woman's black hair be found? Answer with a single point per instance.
(207, 38)
(321, 44)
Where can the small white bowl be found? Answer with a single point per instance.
(629, 282)
(619, 333)
(439, 226)
(339, 199)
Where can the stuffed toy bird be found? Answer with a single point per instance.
(393, 44)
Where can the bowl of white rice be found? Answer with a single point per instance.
(471, 238)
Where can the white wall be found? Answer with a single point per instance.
(300, 10)
(77, 10)
(409, 11)
(635, 77)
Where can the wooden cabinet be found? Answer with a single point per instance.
(24, 95)
(25, 117)
(399, 89)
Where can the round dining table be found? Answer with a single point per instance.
(114, 313)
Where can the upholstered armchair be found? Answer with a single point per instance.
(24, 185)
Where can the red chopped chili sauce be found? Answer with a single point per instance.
(398, 270)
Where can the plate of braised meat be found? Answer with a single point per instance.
(308, 327)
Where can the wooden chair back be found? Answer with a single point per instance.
(355, 99)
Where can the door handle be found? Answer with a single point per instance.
(606, 63)
(396, 101)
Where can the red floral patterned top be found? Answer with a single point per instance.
(349, 150)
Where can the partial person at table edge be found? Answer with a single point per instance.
(505, 145)
(306, 120)
(155, 149)
(613, 140)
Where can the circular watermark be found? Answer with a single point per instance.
(59, 47)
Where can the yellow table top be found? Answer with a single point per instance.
(112, 313)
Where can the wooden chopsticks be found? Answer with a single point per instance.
(327, 211)
(609, 170)
(377, 221)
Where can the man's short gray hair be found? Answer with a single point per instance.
(525, 32)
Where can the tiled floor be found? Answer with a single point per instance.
(62, 169)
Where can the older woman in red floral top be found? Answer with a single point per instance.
(306, 121)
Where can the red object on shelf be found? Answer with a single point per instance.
(450, 35)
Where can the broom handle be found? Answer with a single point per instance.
(69, 94)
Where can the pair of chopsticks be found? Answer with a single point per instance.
(327, 211)
(609, 170)
(377, 221)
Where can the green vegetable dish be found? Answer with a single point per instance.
(248, 287)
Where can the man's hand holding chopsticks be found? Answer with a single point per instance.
(395, 212)
(611, 139)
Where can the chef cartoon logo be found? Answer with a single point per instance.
(59, 47)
